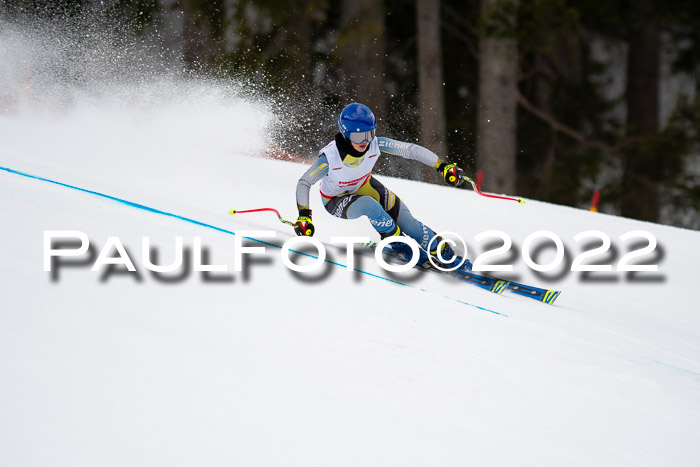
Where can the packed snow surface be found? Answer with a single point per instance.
(335, 367)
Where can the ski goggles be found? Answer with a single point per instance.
(359, 137)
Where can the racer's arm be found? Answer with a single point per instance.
(450, 172)
(312, 176)
(409, 151)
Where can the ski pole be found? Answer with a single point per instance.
(233, 211)
(478, 192)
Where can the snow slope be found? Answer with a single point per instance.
(269, 367)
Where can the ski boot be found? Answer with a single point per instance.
(446, 257)
(404, 251)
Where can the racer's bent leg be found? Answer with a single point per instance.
(355, 206)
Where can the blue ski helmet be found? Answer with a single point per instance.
(357, 123)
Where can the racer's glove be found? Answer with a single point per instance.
(452, 174)
(303, 226)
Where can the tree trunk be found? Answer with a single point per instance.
(430, 83)
(302, 40)
(202, 33)
(498, 96)
(643, 166)
(563, 60)
(362, 47)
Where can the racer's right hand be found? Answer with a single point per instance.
(303, 226)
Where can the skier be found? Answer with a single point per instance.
(349, 191)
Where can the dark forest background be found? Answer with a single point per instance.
(551, 99)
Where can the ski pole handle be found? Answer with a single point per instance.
(478, 192)
(233, 211)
